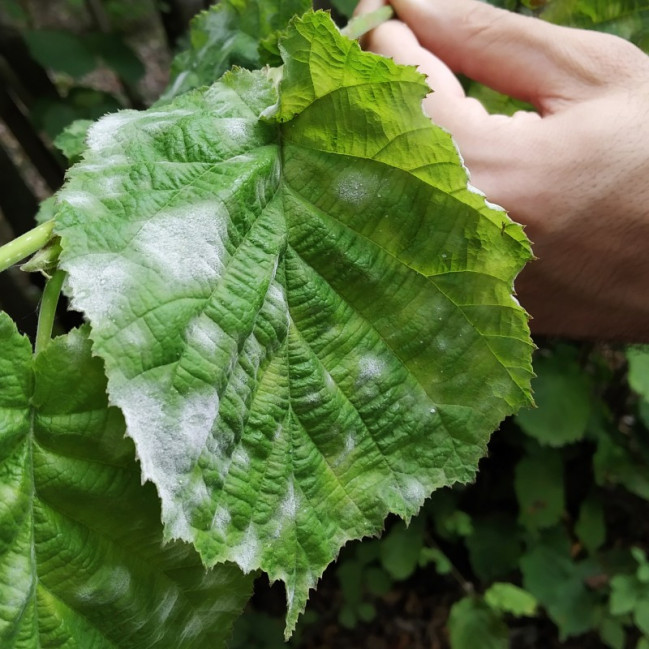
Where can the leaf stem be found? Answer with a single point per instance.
(364, 23)
(47, 311)
(27, 244)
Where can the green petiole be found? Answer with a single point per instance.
(360, 25)
(47, 312)
(27, 244)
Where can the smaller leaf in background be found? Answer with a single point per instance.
(638, 377)
(559, 583)
(504, 597)
(81, 103)
(61, 51)
(539, 486)
(641, 615)
(443, 565)
(643, 643)
(628, 19)
(495, 102)
(115, 54)
(255, 630)
(591, 526)
(562, 394)
(494, 547)
(71, 141)
(449, 520)
(377, 581)
(643, 565)
(13, 10)
(232, 32)
(611, 633)
(625, 593)
(471, 621)
(401, 549)
(614, 464)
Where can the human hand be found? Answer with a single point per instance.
(576, 172)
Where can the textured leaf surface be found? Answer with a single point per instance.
(81, 558)
(230, 33)
(307, 320)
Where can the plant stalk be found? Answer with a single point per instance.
(27, 244)
(360, 25)
(47, 311)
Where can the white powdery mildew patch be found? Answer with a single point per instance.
(104, 589)
(102, 133)
(205, 335)
(98, 285)
(413, 492)
(289, 506)
(194, 420)
(240, 457)
(350, 445)
(354, 188)
(221, 520)
(169, 434)
(235, 129)
(186, 245)
(247, 554)
(370, 368)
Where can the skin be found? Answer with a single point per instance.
(575, 172)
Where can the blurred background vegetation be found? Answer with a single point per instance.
(549, 548)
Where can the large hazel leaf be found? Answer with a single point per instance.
(82, 563)
(306, 318)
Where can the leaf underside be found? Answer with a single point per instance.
(82, 560)
(305, 317)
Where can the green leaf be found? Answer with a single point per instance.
(559, 584)
(562, 395)
(61, 51)
(626, 18)
(591, 526)
(117, 55)
(443, 565)
(643, 643)
(401, 548)
(71, 141)
(641, 615)
(307, 320)
(612, 633)
(614, 464)
(470, 619)
(625, 591)
(230, 34)
(494, 547)
(638, 359)
(81, 557)
(508, 598)
(539, 486)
